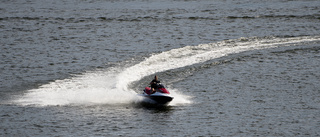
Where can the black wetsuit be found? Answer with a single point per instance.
(154, 84)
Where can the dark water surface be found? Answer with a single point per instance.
(235, 68)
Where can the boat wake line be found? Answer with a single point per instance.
(111, 86)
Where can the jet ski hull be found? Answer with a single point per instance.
(161, 96)
(159, 99)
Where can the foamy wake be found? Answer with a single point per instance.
(111, 86)
(89, 88)
(99, 87)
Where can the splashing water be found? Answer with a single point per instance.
(90, 88)
(111, 86)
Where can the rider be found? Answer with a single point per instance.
(154, 83)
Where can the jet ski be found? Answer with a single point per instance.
(160, 96)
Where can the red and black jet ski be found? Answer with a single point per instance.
(160, 96)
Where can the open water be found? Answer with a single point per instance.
(235, 68)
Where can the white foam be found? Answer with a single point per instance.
(177, 58)
(90, 88)
(179, 98)
(112, 86)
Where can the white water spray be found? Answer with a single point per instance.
(177, 58)
(111, 86)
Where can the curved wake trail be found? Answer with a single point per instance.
(189, 55)
(111, 86)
